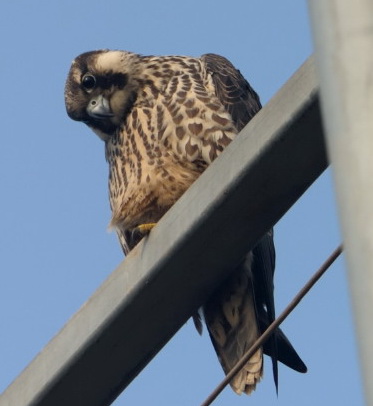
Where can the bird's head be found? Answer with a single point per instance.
(100, 89)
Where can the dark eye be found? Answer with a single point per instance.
(89, 82)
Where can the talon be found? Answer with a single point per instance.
(145, 228)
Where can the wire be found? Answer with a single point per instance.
(259, 342)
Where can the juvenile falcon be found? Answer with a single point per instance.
(164, 119)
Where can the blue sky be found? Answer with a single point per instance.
(55, 249)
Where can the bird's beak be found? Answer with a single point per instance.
(99, 107)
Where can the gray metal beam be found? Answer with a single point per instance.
(170, 274)
(343, 32)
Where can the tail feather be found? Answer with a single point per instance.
(231, 320)
(239, 311)
(286, 352)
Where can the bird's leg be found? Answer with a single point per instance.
(140, 231)
(144, 228)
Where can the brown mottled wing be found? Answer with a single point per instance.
(242, 102)
(232, 89)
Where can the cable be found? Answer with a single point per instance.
(259, 342)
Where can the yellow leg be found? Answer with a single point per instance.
(145, 228)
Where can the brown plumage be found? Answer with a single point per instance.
(163, 121)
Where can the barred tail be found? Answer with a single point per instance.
(231, 319)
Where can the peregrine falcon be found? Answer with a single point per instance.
(163, 120)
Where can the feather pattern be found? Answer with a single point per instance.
(164, 119)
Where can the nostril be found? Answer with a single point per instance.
(99, 107)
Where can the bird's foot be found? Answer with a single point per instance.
(139, 232)
(144, 228)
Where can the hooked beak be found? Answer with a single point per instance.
(99, 107)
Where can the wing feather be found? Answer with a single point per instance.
(242, 102)
(263, 268)
(232, 89)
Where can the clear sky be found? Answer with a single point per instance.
(55, 249)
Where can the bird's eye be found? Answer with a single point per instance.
(89, 82)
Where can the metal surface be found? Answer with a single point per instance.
(343, 32)
(169, 275)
